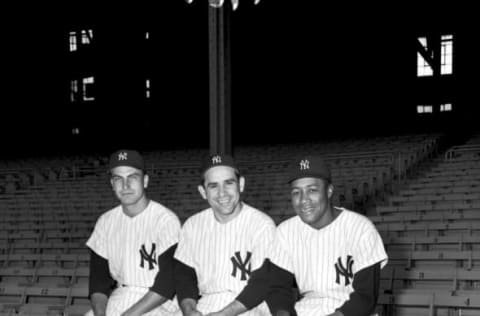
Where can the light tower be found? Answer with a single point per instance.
(220, 74)
(219, 3)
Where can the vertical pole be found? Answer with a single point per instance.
(220, 79)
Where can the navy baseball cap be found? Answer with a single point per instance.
(309, 167)
(217, 160)
(126, 157)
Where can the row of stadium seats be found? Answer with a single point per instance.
(431, 230)
(45, 224)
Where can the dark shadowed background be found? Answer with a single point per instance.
(301, 70)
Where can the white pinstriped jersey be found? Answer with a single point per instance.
(224, 254)
(325, 261)
(132, 246)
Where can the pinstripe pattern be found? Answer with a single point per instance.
(311, 255)
(208, 246)
(120, 238)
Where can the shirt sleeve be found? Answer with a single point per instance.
(364, 297)
(168, 233)
(280, 254)
(164, 280)
(369, 248)
(100, 280)
(184, 250)
(262, 244)
(257, 288)
(281, 296)
(186, 282)
(97, 241)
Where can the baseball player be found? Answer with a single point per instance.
(334, 255)
(132, 245)
(222, 251)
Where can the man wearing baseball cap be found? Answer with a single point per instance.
(334, 254)
(222, 252)
(132, 246)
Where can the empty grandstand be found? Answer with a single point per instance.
(427, 211)
(387, 97)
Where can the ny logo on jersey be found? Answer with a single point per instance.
(122, 156)
(216, 159)
(150, 257)
(346, 270)
(304, 164)
(244, 266)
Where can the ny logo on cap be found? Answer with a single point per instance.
(216, 159)
(304, 164)
(122, 156)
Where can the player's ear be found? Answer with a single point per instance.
(201, 189)
(241, 183)
(145, 181)
(330, 190)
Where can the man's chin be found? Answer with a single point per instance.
(226, 210)
(127, 200)
(307, 218)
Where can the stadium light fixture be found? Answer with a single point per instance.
(219, 3)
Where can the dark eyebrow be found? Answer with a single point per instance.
(228, 181)
(129, 175)
(135, 174)
(308, 186)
